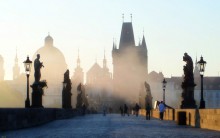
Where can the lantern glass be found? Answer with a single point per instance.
(164, 83)
(27, 65)
(202, 65)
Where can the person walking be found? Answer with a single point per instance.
(84, 109)
(137, 107)
(126, 110)
(148, 111)
(161, 109)
(121, 110)
(104, 108)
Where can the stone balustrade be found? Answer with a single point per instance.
(201, 118)
(16, 118)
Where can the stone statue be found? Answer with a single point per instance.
(148, 97)
(81, 97)
(37, 86)
(37, 66)
(188, 69)
(66, 76)
(188, 83)
(66, 93)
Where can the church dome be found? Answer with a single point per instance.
(48, 38)
(54, 63)
(48, 41)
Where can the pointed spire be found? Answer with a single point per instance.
(144, 42)
(78, 60)
(104, 61)
(196, 59)
(131, 17)
(127, 36)
(139, 43)
(16, 68)
(122, 17)
(16, 57)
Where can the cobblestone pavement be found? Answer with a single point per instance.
(111, 126)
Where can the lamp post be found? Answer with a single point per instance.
(164, 87)
(202, 65)
(27, 66)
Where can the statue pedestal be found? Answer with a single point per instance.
(66, 99)
(188, 98)
(37, 93)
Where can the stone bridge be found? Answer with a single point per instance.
(111, 126)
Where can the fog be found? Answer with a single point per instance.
(129, 74)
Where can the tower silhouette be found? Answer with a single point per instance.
(16, 68)
(130, 65)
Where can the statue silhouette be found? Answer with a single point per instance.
(38, 85)
(188, 83)
(37, 67)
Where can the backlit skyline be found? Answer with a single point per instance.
(170, 28)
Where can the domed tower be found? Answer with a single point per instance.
(54, 67)
(2, 72)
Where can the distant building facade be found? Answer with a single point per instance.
(99, 85)
(130, 65)
(173, 91)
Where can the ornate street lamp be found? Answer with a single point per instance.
(27, 66)
(164, 82)
(202, 65)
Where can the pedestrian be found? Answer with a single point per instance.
(104, 110)
(126, 110)
(137, 107)
(84, 109)
(110, 110)
(148, 111)
(121, 110)
(161, 109)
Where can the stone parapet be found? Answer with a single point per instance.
(201, 118)
(17, 118)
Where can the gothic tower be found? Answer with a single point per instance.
(130, 65)
(16, 68)
(77, 78)
(78, 74)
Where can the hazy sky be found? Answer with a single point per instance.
(170, 28)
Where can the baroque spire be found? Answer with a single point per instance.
(78, 60)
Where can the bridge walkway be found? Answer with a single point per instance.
(111, 126)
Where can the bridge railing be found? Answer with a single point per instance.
(17, 118)
(201, 118)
